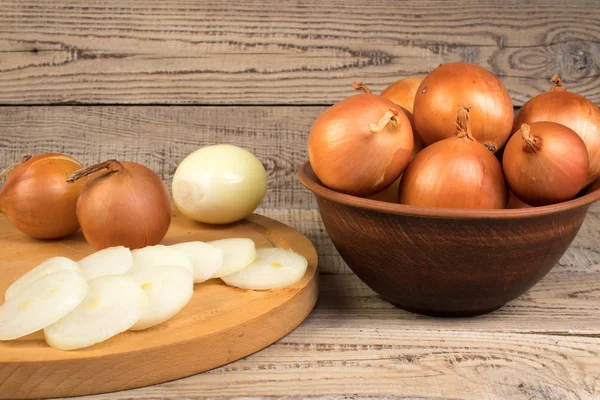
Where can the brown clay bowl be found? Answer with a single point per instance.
(442, 261)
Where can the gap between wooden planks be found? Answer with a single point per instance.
(284, 52)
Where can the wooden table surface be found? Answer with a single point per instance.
(151, 81)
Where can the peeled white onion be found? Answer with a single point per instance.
(206, 259)
(41, 303)
(50, 266)
(169, 288)
(152, 256)
(110, 261)
(238, 253)
(219, 184)
(272, 269)
(114, 303)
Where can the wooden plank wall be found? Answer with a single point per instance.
(282, 52)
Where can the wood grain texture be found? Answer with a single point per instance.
(283, 52)
(355, 345)
(220, 324)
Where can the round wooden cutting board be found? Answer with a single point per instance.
(219, 325)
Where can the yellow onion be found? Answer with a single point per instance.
(389, 195)
(122, 204)
(545, 163)
(36, 198)
(515, 202)
(571, 110)
(457, 172)
(451, 85)
(360, 145)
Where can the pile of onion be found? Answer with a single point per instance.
(122, 204)
(554, 154)
(36, 198)
(457, 172)
(451, 85)
(571, 110)
(545, 163)
(360, 145)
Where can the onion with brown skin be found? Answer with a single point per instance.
(571, 110)
(451, 85)
(545, 163)
(515, 202)
(36, 199)
(389, 195)
(457, 172)
(126, 205)
(403, 92)
(593, 187)
(360, 145)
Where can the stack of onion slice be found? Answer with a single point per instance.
(80, 304)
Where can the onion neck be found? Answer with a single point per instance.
(360, 86)
(558, 84)
(110, 166)
(14, 165)
(463, 124)
(533, 144)
(389, 120)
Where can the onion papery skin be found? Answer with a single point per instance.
(38, 201)
(571, 110)
(348, 157)
(402, 92)
(128, 205)
(514, 202)
(592, 187)
(457, 172)
(452, 85)
(389, 195)
(551, 171)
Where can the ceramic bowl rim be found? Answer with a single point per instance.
(309, 180)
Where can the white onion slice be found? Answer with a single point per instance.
(110, 261)
(153, 256)
(169, 289)
(272, 269)
(50, 266)
(206, 259)
(113, 304)
(238, 253)
(41, 303)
